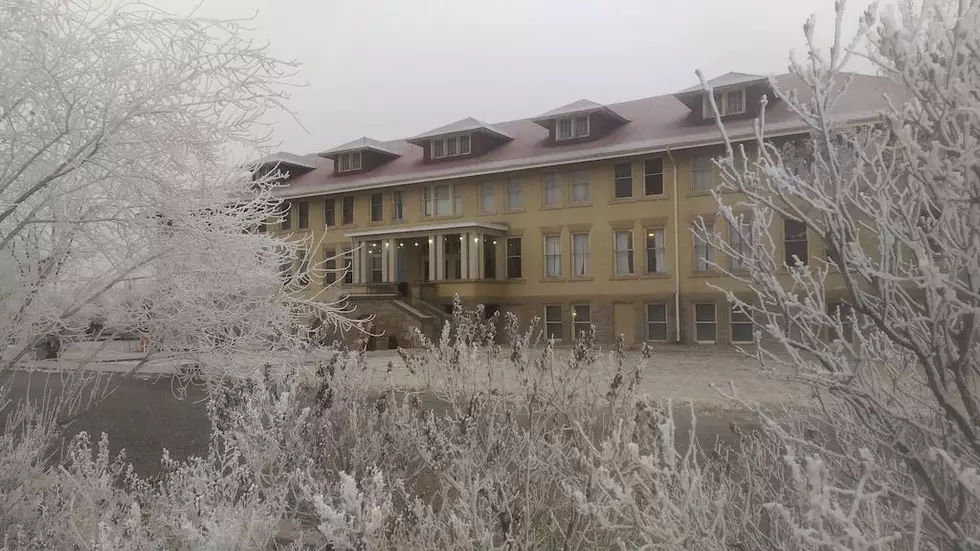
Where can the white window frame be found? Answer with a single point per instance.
(732, 323)
(488, 201)
(349, 162)
(702, 249)
(650, 322)
(617, 179)
(375, 253)
(580, 259)
(397, 205)
(301, 273)
(461, 145)
(551, 245)
(578, 322)
(630, 260)
(550, 322)
(702, 168)
(714, 321)
(578, 127)
(433, 200)
(739, 243)
(550, 185)
(659, 250)
(381, 207)
(510, 187)
(580, 180)
(729, 102)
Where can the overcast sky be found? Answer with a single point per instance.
(390, 69)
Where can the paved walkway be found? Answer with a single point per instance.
(680, 373)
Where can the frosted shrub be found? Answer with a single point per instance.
(893, 204)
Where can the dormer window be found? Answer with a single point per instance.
(348, 162)
(570, 128)
(453, 146)
(729, 102)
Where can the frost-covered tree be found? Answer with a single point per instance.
(892, 460)
(119, 203)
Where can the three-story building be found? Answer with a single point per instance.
(579, 216)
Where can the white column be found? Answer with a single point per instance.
(440, 258)
(464, 255)
(393, 260)
(433, 268)
(385, 264)
(356, 254)
(476, 255)
(364, 262)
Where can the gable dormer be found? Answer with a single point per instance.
(736, 95)
(289, 164)
(462, 139)
(581, 121)
(359, 156)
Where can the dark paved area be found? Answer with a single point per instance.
(143, 416)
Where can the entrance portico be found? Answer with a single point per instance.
(462, 251)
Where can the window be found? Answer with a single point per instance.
(656, 322)
(580, 187)
(515, 197)
(450, 147)
(442, 199)
(397, 206)
(348, 211)
(513, 257)
(457, 200)
(427, 201)
(552, 191)
(740, 241)
(843, 311)
(702, 249)
(580, 254)
(653, 177)
(702, 174)
(729, 102)
(552, 322)
(374, 254)
(377, 207)
(624, 252)
(287, 216)
(348, 266)
(329, 215)
(794, 233)
(552, 256)
(488, 198)
(303, 211)
(572, 127)
(581, 319)
(741, 322)
(348, 162)
(489, 257)
(302, 268)
(329, 268)
(623, 180)
(705, 324)
(656, 259)
(453, 247)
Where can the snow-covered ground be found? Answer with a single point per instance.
(679, 373)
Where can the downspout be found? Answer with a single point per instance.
(677, 252)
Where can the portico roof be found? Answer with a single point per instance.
(422, 229)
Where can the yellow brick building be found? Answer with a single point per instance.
(579, 216)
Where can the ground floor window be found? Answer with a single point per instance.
(581, 319)
(741, 322)
(705, 323)
(552, 322)
(374, 262)
(843, 310)
(657, 322)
